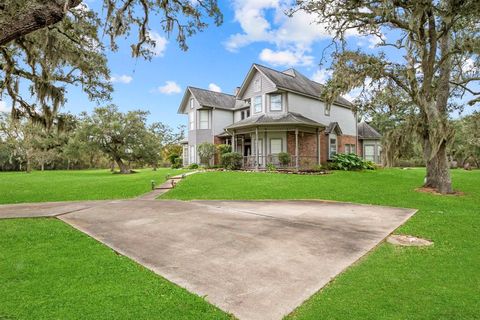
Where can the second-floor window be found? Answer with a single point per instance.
(191, 120)
(276, 102)
(248, 113)
(257, 104)
(242, 115)
(203, 122)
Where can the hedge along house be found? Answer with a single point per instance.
(271, 112)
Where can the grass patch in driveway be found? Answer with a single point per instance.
(48, 270)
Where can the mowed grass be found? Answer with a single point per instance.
(440, 282)
(48, 270)
(38, 186)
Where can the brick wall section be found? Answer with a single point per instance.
(323, 148)
(217, 141)
(307, 147)
(343, 140)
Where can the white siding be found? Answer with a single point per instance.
(315, 110)
(221, 119)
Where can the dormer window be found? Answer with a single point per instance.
(191, 103)
(248, 113)
(257, 104)
(276, 102)
(242, 115)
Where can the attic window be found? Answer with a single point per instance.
(327, 109)
(191, 103)
(256, 85)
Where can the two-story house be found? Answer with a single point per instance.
(273, 112)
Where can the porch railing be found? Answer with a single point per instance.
(304, 162)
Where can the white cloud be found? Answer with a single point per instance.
(121, 79)
(214, 87)
(160, 43)
(3, 106)
(170, 87)
(322, 75)
(286, 58)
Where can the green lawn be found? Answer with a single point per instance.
(442, 282)
(38, 186)
(50, 271)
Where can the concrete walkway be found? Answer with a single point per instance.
(255, 259)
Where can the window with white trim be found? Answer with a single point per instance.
(332, 150)
(191, 119)
(242, 115)
(203, 122)
(248, 113)
(191, 103)
(276, 102)
(275, 146)
(257, 104)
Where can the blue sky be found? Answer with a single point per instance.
(254, 31)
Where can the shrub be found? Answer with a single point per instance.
(175, 161)
(317, 168)
(351, 161)
(224, 148)
(232, 160)
(193, 166)
(177, 164)
(271, 167)
(206, 151)
(284, 158)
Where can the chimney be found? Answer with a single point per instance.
(237, 89)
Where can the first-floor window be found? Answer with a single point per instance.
(191, 154)
(350, 148)
(369, 152)
(333, 146)
(203, 119)
(275, 146)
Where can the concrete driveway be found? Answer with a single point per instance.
(255, 259)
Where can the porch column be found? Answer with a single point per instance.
(296, 148)
(234, 142)
(243, 146)
(257, 158)
(318, 146)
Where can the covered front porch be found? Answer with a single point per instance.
(261, 145)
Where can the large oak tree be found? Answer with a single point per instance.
(437, 45)
(45, 46)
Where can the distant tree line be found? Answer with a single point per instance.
(106, 138)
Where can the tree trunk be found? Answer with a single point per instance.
(438, 173)
(122, 166)
(35, 16)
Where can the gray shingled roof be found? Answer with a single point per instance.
(298, 83)
(209, 98)
(332, 126)
(289, 118)
(365, 131)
